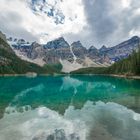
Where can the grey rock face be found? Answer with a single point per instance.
(53, 51)
(35, 51)
(123, 50)
(78, 50)
(93, 53)
(57, 44)
(103, 49)
(54, 55)
(56, 50)
(31, 51)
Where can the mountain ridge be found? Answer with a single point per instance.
(10, 63)
(58, 51)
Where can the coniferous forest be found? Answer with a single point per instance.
(128, 66)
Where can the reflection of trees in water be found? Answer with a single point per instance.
(137, 101)
(136, 104)
(130, 101)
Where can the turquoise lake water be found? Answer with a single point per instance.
(69, 108)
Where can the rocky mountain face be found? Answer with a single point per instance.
(50, 53)
(79, 51)
(56, 50)
(73, 56)
(94, 54)
(121, 51)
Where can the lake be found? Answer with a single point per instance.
(69, 108)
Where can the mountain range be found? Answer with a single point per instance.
(10, 63)
(72, 56)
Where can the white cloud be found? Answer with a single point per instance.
(93, 22)
(126, 3)
(134, 32)
(38, 24)
(110, 22)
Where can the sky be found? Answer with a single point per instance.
(93, 22)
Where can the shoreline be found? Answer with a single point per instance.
(126, 76)
(114, 75)
(29, 75)
(55, 74)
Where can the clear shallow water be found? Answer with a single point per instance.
(69, 108)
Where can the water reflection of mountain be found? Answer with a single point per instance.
(59, 92)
